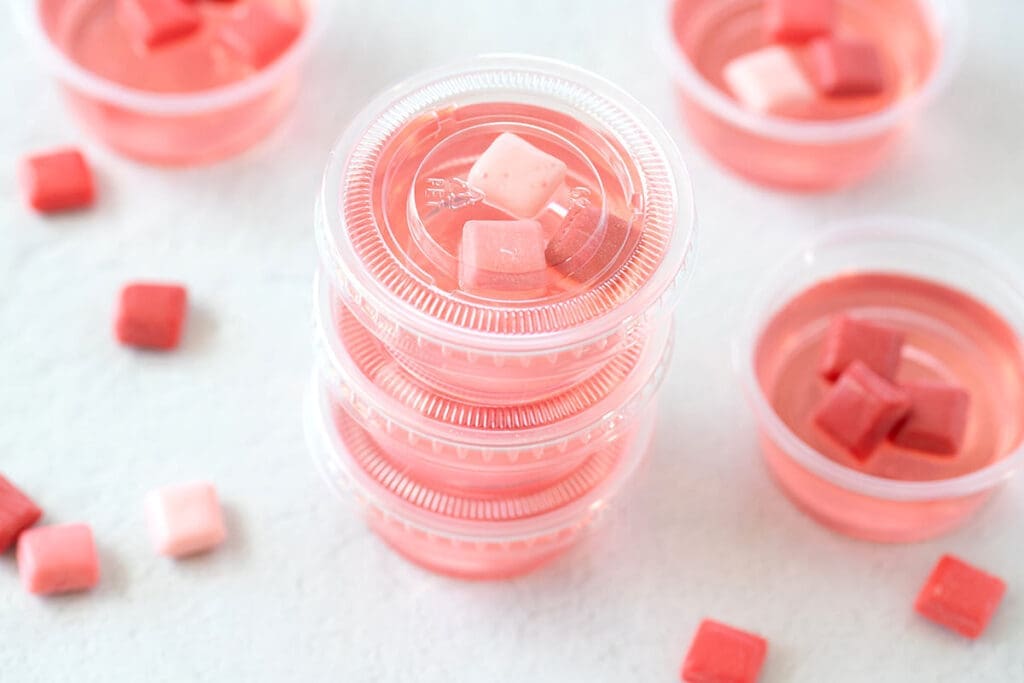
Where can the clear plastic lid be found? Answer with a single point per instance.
(510, 203)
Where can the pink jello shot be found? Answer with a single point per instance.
(175, 81)
(474, 535)
(808, 95)
(958, 313)
(451, 444)
(506, 226)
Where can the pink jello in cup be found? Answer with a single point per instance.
(452, 445)
(467, 535)
(960, 313)
(169, 92)
(506, 226)
(807, 143)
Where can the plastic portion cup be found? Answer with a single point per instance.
(980, 292)
(456, 446)
(397, 200)
(926, 41)
(465, 536)
(171, 128)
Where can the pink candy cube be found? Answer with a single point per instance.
(768, 80)
(185, 519)
(258, 34)
(153, 23)
(503, 258)
(960, 597)
(937, 419)
(722, 654)
(57, 181)
(850, 339)
(846, 67)
(58, 559)
(17, 513)
(517, 177)
(799, 20)
(861, 409)
(151, 315)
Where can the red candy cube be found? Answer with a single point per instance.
(722, 654)
(960, 597)
(578, 249)
(153, 23)
(850, 339)
(57, 181)
(846, 67)
(17, 513)
(258, 34)
(799, 20)
(861, 409)
(151, 316)
(937, 419)
(58, 559)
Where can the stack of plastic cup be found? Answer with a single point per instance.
(482, 433)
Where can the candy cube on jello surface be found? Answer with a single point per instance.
(861, 409)
(799, 20)
(503, 258)
(516, 176)
(58, 559)
(578, 248)
(846, 67)
(850, 339)
(937, 419)
(153, 23)
(960, 597)
(722, 654)
(768, 79)
(258, 34)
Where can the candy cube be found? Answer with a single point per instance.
(849, 339)
(937, 419)
(846, 67)
(503, 257)
(960, 597)
(722, 654)
(58, 559)
(258, 34)
(861, 409)
(577, 249)
(57, 181)
(185, 519)
(17, 513)
(517, 177)
(153, 23)
(151, 316)
(799, 20)
(768, 80)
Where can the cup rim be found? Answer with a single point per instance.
(744, 345)
(166, 104)
(949, 19)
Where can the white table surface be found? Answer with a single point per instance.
(302, 591)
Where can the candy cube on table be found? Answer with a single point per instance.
(960, 597)
(722, 654)
(861, 409)
(185, 519)
(768, 80)
(576, 249)
(154, 23)
(517, 177)
(937, 419)
(17, 513)
(258, 34)
(57, 181)
(151, 316)
(799, 20)
(850, 339)
(503, 258)
(58, 559)
(842, 68)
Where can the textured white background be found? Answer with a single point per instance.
(302, 591)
